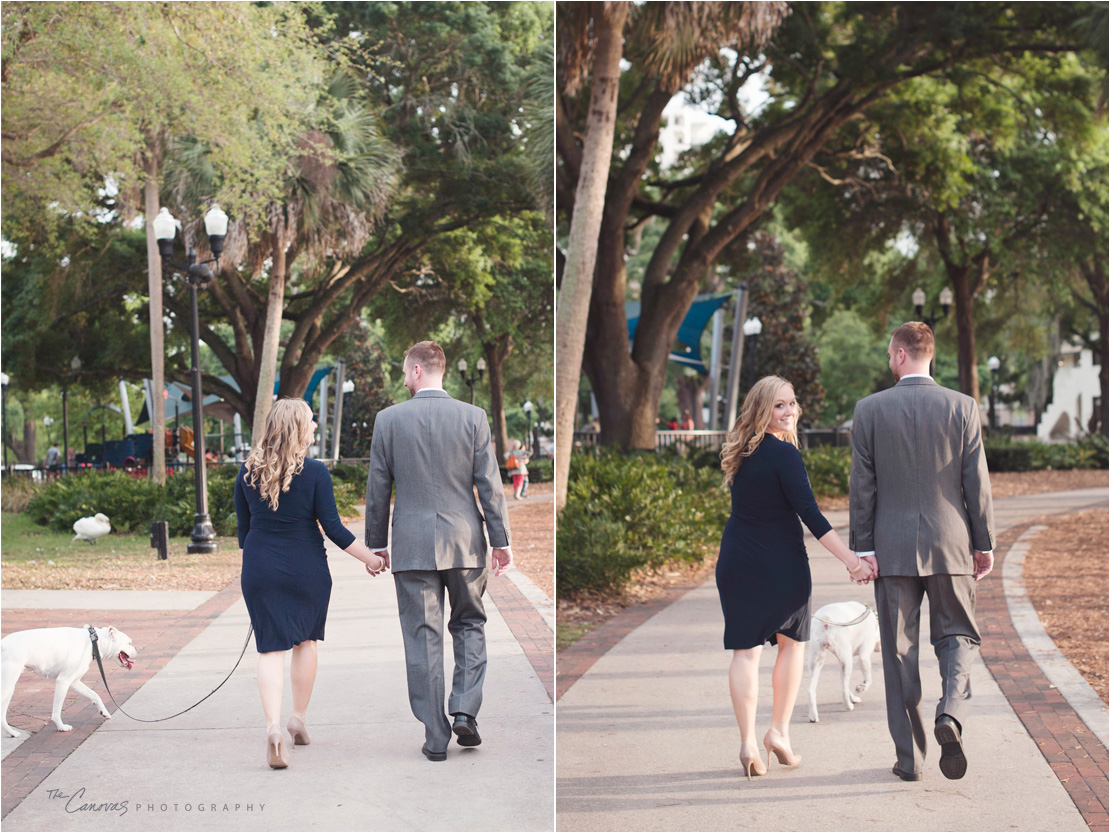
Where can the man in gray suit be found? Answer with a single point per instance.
(436, 450)
(920, 510)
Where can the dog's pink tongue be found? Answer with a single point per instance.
(125, 661)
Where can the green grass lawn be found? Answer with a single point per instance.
(34, 557)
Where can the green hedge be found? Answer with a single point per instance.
(625, 512)
(1011, 455)
(132, 504)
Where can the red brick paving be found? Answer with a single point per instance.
(528, 627)
(1077, 757)
(579, 657)
(160, 635)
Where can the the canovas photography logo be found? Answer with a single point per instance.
(80, 800)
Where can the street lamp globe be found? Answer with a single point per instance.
(993, 363)
(919, 297)
(462, 365)
(165, 228)
(75, 364)
(3, 379)
(946, 298)
(753, 326)
(481, 365)
(348, 386)
(215, 225)
(527, 407)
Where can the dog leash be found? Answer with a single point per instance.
(96, 654)
(867, 610)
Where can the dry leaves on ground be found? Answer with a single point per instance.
(1066, 580)
(532, 522)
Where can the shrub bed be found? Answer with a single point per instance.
(132, 504)
(629, 511)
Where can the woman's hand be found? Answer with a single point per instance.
(865, 571)
(375, 563)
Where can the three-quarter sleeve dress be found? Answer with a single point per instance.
(763, 571)
(285, 579)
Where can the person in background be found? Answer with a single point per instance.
(517, 463)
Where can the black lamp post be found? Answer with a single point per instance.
(75, 368)
(470, 380)
(198, 275)
(752, 328)
(932, 320)
(993, 364)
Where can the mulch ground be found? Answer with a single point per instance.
(1066, 579)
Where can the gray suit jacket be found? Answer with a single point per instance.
(435, 450)
(919, 493)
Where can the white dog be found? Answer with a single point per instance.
(843, 630)
(62, 653)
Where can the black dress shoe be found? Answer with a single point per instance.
(466, 729)
(953, 763)
(905, 775)
(434, 756)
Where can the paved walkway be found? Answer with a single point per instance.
(206, 769)
(647, 739)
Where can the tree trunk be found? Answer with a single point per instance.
(574, 297)
(691, 393)
(25, 450)
(157, 340)
(267, 368)
(966, 358)
(496, 353)
(1094, 273)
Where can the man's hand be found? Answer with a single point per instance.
(869, 572)
(502, 560)
(384, 555)
(984, 563)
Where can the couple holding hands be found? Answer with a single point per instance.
(920, 524)
(436, 451)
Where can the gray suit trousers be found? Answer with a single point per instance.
(420, 604)
(955, 640)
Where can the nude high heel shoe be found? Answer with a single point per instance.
(297, 731)
(752, 765)
(774, 741)
(277, 755)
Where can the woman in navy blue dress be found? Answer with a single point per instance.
(279, 497)
(763, 570)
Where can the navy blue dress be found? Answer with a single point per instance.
(285, 579)
(763, 570)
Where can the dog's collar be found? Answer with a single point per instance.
(92, 634)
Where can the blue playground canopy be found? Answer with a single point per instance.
(689, 333)
(179, 397)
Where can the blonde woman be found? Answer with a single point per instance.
(763, 572)
(279, 497)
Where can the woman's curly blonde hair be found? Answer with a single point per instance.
(748, 432)
(279, 455)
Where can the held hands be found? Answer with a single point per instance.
(502, 560)
(378, 562)
(865, 571)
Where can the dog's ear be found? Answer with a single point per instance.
(111, 630)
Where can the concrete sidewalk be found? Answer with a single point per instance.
(364, 770)
(647, 739)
